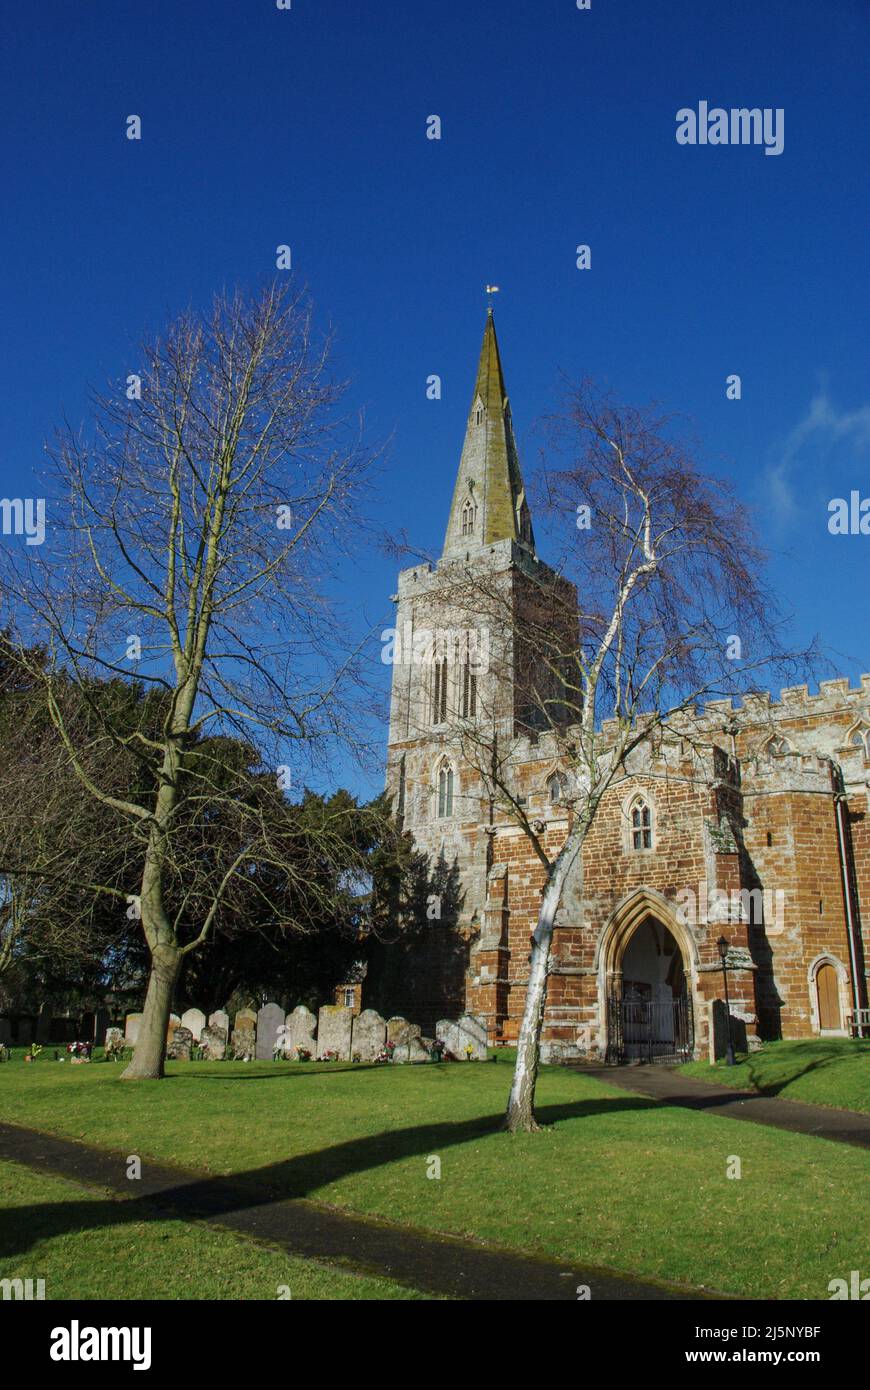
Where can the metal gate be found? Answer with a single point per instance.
(641, 1030)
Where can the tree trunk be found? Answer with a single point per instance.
(150, 1050)
(520, 1115)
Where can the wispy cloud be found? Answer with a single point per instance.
(812, 442)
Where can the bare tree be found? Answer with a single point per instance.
(194, 539)
(660, 575)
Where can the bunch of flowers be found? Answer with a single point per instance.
(303, 1054)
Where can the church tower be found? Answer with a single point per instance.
(457, 693)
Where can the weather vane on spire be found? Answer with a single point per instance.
(490, 291)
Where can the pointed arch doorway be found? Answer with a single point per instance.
(646, 970)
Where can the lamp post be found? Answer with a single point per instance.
(722, 946)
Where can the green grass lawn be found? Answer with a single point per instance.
(617, 1180)
(51, 1230)
(823, 1071)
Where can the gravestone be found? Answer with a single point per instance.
(101, 1023)
(410, 1051)
(194, 1019)
(718, 1031)
(174, 1022)
(463, 1033)
(214, 1043)
(114, 1044)
(244, 1044)
(5, 1031)
(180, 1044)
(246, 1018)
(283, 1044)
(368, 1035)
(334, 1027)
(301, 1024)
(269, 1020)
(131, 1029)
(220, 1019)
(400, 1031)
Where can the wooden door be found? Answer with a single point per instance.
(828, 988)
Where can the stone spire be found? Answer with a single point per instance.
(489, 500)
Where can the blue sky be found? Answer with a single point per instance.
(308, 127)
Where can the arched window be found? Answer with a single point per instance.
(468, 511)
(860, 738)
(478, 414)
(640, 820)
(468, 700)
(777, 746)
(445, 791)
(438, 711)
(557, 788)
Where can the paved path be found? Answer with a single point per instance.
(664, 1084)
(244, 1204)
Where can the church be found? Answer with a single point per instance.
(744, 863)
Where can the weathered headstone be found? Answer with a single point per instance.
(334, 1025)
(464, 1038)
(302, 1025)
(269, 1020)
(220, 1019)
(5, 1031)
(194, 1019)
(244, 1044)
(246, 1018)
(131, 1029)
(410, 1051)
(718, 1031)
(178, 1049)
(114, 1044)
(101, 1023)
(214, 1043)
(368, 1035)
(400, 1031)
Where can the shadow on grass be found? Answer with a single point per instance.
(189, 1197)
(754, 1071)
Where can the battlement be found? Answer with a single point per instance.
(794, 701)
